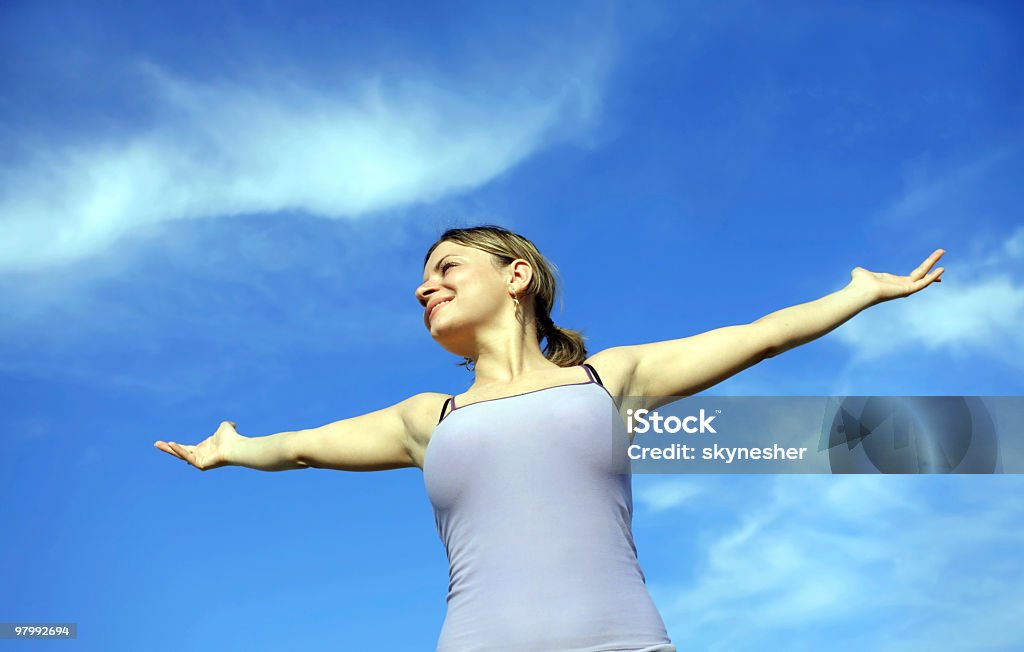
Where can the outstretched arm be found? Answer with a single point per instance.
(375, 441)
(692, 364)
(791, 327)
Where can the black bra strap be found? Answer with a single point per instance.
(594, 371)
(443, 408)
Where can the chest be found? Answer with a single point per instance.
(561, 434)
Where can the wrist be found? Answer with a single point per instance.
(231, 454)
(863, 297)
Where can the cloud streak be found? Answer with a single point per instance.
(927, 193)
(891, 562)
(227, 147)
(130, 245)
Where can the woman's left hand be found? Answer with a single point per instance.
(883, 286)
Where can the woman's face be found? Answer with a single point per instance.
(461, 292)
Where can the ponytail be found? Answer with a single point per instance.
(565, 347)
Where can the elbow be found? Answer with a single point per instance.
(767, 344)
(298, 452)
(302, 461)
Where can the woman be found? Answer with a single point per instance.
(536, 522)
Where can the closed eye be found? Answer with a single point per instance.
(444, 269)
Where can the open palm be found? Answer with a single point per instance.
(884, 286)
(211, 453)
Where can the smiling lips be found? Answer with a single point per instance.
(433, 308)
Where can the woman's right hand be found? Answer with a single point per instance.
(211, 453)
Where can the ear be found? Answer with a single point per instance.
(519, 275)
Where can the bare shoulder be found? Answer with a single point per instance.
(615, 366)
(421, 413)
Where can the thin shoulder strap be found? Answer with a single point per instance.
(593, 374)
(450, 399)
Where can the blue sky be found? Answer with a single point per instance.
(216, 211)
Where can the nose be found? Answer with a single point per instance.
(423, 293)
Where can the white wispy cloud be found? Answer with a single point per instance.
(854, 562)
(227, 147)
(927, 192)
(205, 220)
(660, 495)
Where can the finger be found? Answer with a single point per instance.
(928, 280)
(186, 453)
(923, 268)
(162, 445)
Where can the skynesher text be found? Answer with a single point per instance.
(725, 454)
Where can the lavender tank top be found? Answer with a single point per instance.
(532, 498)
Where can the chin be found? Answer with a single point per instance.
(451, 340)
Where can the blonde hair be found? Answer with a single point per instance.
(564, 347)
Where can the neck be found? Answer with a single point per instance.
(509, 369)
(509, 357)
